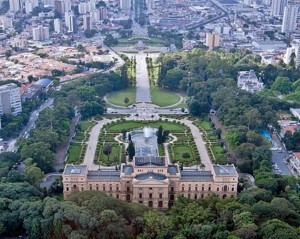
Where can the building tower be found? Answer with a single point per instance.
(15, 5)
(212, 40)
(102, 13)
(289, 21)
(87, 22)
(70, 22)
(58, 7)
(125, 5)
(57, 25)
(10, 100)
(40, 33)
(277, 7)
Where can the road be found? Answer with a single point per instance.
(143, 93)
(279, 162)
(30, 125)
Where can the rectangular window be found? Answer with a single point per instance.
(150, 195)
(140, 195)
(67, 188)
(202, 195)
(160, 195)
(128, 189)
(202, 188)
(195, 196)
(232, 189)
(172, 189)
(97, 188)
(81, 188)
(209, 188)
(189, 188)
(117, 188)
(91, 188)
(110, 188)
(103, 188)
(182, 189)
(117, 196)
(196, 188)
(218, 189)
(189, 195)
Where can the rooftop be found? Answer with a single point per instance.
(71, 169)
(225, 170)
(44, 82)
(145, 176)
(149, 161)
(104, 175)
(196, 176)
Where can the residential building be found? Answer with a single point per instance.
(15, 5)
(102, 13)
(150, 181)
(58, 6)
(248, 81)
(277, 7)
(10, 100)
(294, 163)
(294, 50)
(289, 22)
(57, 25)
(125, 5)
(95, 16)
(40, 33)
(212, 40)
(296, 113)
(70, 22)
(83, 7)
(269, 45)
(87, 22)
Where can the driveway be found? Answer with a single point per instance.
(143, 93)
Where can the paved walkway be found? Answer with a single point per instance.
(197, 135)
(143, 93)
(92, 145)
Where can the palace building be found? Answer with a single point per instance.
(151, 179)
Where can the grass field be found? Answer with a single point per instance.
(163, 98)
(74, 153)
(117, 97)
(151, 41)
(205, 125)
(128, 125)
(178, 150)
(84, 125)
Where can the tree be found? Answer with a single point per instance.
(274, 229)
(124, 132)
(126, 101)
(282, 84)
(107, 149)
(131, 150)
(34, 174)
(159, 134)
(173, 78)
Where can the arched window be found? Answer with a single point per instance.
(225, 188)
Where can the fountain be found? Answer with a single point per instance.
(147, 132)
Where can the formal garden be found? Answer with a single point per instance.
(111, 146)
(215, 148)
(76, 151)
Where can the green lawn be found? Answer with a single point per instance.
(217, 149)
(74, 153)
(178, 150)
(84, 125)
(129, 125)
(117, 97)
(163, 98)
(115, 153)
(205, 125)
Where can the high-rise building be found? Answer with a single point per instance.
(212, 40)
(10, 100)
(92, 5)
(102, 13)
(267, 2)
(289, 22)
(67, 5)
(294, 50)
(70, 22)
(95, 16)
(87, 22)
(15, 5)
(83, 7)
(57, 25)
(125, 5)
(40, 33)
(58, 6)
(277, 7)
(30, 5)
